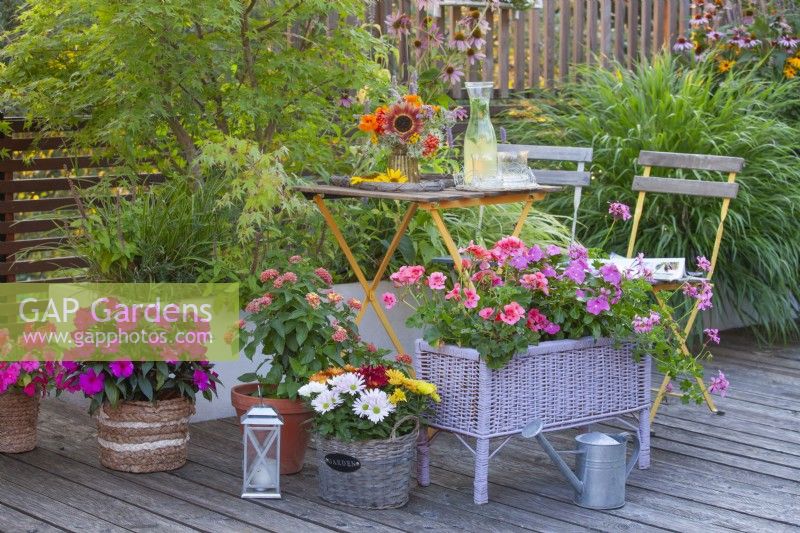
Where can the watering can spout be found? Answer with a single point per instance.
(534, 429)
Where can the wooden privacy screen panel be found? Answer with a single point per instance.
(36, 203)
(539, 47)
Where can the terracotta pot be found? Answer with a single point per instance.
(18, 416)
(295, 433)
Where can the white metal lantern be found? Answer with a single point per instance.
(262, 452)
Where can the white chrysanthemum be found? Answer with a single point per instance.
(373, 404)
(312, 387)
(375, 396)
(325, 401)
(361, 406)
(350, 383)
(378, 411)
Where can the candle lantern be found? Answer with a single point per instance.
(262, 449)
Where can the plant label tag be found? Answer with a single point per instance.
(342, 463)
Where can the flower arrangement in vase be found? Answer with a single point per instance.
(367, 419)
(410, 130)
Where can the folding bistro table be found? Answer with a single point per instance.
(434, 203)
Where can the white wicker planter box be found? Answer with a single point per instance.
(565, 384)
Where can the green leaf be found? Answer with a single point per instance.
(146, 387)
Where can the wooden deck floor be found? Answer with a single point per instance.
(740, 471)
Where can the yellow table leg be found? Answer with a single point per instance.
(401, 230)
(449, 243)
(523, 216)
(369, 294)
(659, 397)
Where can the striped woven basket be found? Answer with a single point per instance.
(19, 414)
(144, 437)
(370, 474)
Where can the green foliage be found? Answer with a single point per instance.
(300, 326)
(170, 233)
(664, 107)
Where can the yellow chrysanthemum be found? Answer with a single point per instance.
(435, 397)
(395, 376)
(397, 396)
(410, 385)
(426, 388)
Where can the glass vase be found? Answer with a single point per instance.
(400, 160)
(480, 143)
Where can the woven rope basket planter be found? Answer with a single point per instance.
(18, 416)
(565, 383)
(383, 475)
(142, 437)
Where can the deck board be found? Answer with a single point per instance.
(740, 471)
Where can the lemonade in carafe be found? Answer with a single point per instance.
(480, 143)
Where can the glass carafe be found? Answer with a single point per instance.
(480, 143)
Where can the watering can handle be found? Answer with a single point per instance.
(635, 455)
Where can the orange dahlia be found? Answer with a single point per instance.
(402, 120)
(368, 123)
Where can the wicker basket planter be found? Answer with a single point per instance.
(371, 474)
(19, 414)
(143, 437)
(565, 383)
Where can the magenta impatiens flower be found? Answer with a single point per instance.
(719, 384)
(92, 383)
(597, 305)
(619, 211)
(201, 380)
(121, 369)
(712, 334)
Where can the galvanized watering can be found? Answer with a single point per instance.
(600, 464)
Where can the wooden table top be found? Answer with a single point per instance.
(449, 194)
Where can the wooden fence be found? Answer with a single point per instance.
(540, 46)
(36, 205)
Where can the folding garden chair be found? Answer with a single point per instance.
(578, 178)
(691, 187)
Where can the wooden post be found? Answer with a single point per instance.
(605, 32)
(455, 15)
(647, 28)
(519, 52)
(683, 18)
(619, 31)
(563, 41)
(578, 36)
(633, 34)
(535, 62)
(549, 41)
(658, 25)
(591, 31)
(488, 63)
(504, 51)
(8, 216)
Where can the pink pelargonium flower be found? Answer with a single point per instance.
(508, 247)
(389, 300)
(436, 281)
(455, 293)
(92, 383)
(619, 211)
(719, 384)
(712, 334)
(122, 368)
(703, 263)
(407, 275)
(535, 281)
(478, 252)
(471, 299)
(486, 313)
(645, 324)
(597, 305)
(512, 313)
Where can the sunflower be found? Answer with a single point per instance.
(402, 120)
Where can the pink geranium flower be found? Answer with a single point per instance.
(389, 300)
(407, 275)
(512, 313)
(712, 334)
(454, 294)
(436, 281)
(535, 281)
(703, 263)
(486, 313)
(719, 384)
(471, 299)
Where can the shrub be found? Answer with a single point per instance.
(664, 107)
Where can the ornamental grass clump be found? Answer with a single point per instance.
(511, 296)
(663, 106)
(368, 402)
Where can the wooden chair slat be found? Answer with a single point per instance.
(573, 178)
(712, 189)
(550, 153)
(690, 161)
